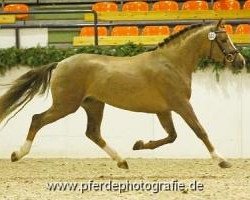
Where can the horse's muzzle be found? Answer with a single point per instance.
(239, 61)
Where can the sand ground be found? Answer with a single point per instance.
(29, 178)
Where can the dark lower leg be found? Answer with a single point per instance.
(167, 123)
(187, 113)
(94, 110)
(38, 121)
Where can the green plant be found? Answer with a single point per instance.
(245, 51)
(35, 57)
(204, 63)
(9, 58)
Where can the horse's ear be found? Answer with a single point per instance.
(220, 23)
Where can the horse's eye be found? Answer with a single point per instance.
(224, 40)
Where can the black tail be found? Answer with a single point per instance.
(22, 91)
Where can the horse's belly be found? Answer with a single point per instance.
(138, 102)
(139, 107)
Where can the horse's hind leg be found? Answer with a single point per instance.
(187, 113)
(167, 123)
(94, 110)
(38, 121)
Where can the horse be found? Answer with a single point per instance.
(156, 81)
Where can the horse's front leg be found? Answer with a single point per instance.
(185, 110)
(94, 110)
(166, 121)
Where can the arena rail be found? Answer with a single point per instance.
(173, 15)
(80, 41)
(78, 25)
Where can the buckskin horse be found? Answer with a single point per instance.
(157, 81)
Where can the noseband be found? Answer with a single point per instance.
(228, 56)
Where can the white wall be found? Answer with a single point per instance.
(8, 38)
(223, 108)
(31, 37)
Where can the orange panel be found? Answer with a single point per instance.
(17, 8)
(178, 28)
(165, 6)
(228, 28)
(246, 5)
(226, 5)
(243, 29)
(195, 5)
(89, 31)
(135, 6)
(156, 30)
(105, 7)
(125, 31)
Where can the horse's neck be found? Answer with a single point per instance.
(186, 52)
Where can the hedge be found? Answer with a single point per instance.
(35, 57)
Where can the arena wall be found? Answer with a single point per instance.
(222, 107)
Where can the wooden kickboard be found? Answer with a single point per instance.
(117, 40)
(7, 19)
(240, 38)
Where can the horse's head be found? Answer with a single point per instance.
(222, 48)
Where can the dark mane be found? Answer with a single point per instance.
(172, 37)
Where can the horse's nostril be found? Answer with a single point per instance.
(240, 64)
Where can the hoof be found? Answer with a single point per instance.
(225, 164)
(123, 164)
(138, 145)
(14, 157)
